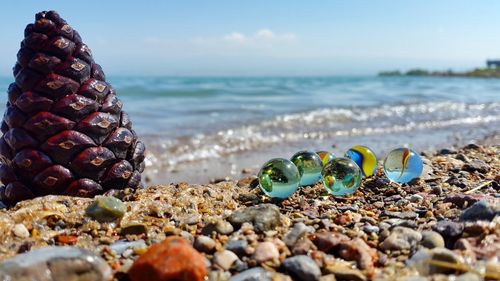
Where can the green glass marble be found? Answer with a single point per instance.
(309, 164)
(325, 156)
(341, 176)
(279, 178)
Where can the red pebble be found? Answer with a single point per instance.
(172, 259)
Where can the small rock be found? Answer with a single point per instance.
(106, 209)
(432, 239)
(55, 263)
(264, 217)
(369, 229)
(223, 227)
(415, 198)
(436, 189)
(302, 247)
(446, 151)
(298, 230)
(469, 276)
(448, 228)
(421, 261)
(476, 165)
(482, 210)
(329, 277)
(225, 259)
(266, 251)
(401, 238)
(358, 250)
(121, 246)
(400, 215)
(462, 200)
(254, 274)
(344, 273)
(302, 268)
(167, 261)
(135, 228)
(247, 182)
(238, 247)
(328, 241)
(20, 231)
(204, 244)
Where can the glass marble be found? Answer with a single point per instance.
(279, 178)
(365, 158)
(309, 165)
(325, 156)
(341, 176)
(402, 165)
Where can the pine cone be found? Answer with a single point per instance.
(63, 130)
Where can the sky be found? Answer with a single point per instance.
(269, 37)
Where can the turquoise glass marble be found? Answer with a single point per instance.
(341, 176)
(309, 165)
(402, 165)
(325, 156)
(279, 178)
(365, 158)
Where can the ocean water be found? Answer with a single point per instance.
(196, 129)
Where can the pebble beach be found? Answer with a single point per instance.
(443, 226)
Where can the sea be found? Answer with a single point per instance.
(201, 129)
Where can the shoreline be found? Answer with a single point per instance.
(382, 232)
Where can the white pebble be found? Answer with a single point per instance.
(20, 231)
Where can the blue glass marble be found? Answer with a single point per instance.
(402, 165)
(279, 178)
(365, 158)
(309, 165)
(325, 156)
(341, 176)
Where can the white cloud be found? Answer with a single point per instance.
(262, 37)
(235, 37)
(265, 33)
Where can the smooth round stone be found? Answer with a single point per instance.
(106, 209)
(365, 158)
(341, 176)
(402, 165)
(279, 178)
(309, 165)
(325, 156)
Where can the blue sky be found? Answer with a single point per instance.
(265, 37)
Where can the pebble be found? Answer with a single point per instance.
(369, 229)
(469, 276)
(415, 198)
(204, 244)
(358, 250)
(223, 227)
(343, 272)
(238, 247)
(20, 231)
(55, 263)
(476, 165)
(254, 274)
(302, 267)
(135, 228)
(481, 210)
(167, 261)
(121, 246)
(462, 200)
(264, 217)
(400, 215)
(401, 238)
(106, 209)
(421, 260)
(265, 251)
(327, 241)
(297, 232)
(448, 228)
(225, 259)
(431, 239)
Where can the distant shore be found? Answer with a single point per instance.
(476, 73)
